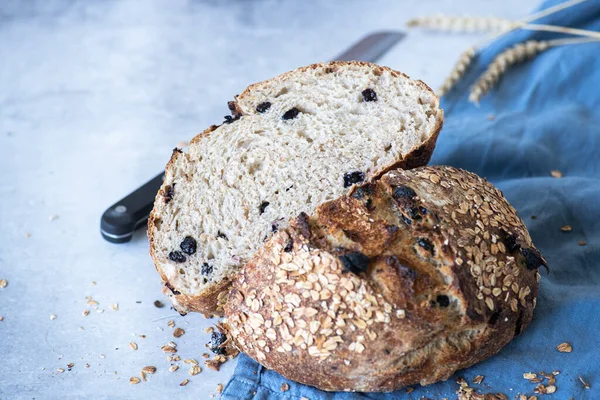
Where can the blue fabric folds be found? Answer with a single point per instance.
(543, 115)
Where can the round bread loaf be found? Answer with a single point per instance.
(403, 280)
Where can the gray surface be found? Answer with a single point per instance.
(93, 97)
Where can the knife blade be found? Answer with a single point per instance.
(122, 219)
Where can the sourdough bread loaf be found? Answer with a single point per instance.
(292, 142)
(404, 280)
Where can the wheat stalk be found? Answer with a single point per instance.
(460, 24)
(463, 63)
(512, 56)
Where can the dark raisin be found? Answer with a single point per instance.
(403, 192)
(262, 107)
(206, 269)
(494, 318)
(289, 245)
(423, 210)
(158, 304)
(287, 190)
(274, 227)
(351, 178)
(533, 259)
(406, 220)
(442, 300)
(177, 150)
(510, 241)
(369, 204)
(355, 262)
(426, 244)
(222, 235)
(188, 246)
(177, 256)
(171, 288)
(169, 192)
(291, 114)
(413, 212)
(216, 340)
(263, 206)
(369, 95)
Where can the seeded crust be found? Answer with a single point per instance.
(447, 284)
(208, 298)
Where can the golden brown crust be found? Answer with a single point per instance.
(448, 284)
(206, 301)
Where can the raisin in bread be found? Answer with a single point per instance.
(404, 280)
(291, 143)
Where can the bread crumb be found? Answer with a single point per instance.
(134, 380)
(115, 306)
(176, 358)
(564, 347)
(478, 379)
(582, 243)
(210, 329)
(52, 217)
(220, 388)
(566, 228)
(87, 365)
(171, 323)
(52, 316)
(169, 349)
(284, 387)
(205, 355)
(178, 332)
(149, 369)
(142, 336)
(133, 345)
(3, 283)
(158, 304)
(529, 375)
(174, 368)
(85, 313)
(584, 383)
(556, 173)
(185, 382)
(195, 370)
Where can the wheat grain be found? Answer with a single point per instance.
(458, 71)
(511, 56)
(448, 23)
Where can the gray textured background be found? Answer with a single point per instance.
(93, 97)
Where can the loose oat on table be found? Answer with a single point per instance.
(205, 355)
(149, 369)
(85, 313)
(410, 390)
(174, 368)
(114, 306)
(3, 283)
(176, 358)
(564, 347)
(169, 349)
(220, 388)
(171, 323)
(582, 243)
(209, 329)
(134, 380)
(284, 387)
(529, 375)
(133, 345)
(556, 173)
(190, 361)
(185, 382)
(566, 228)
(195, 370)
(102, 356)
(584, 383)
(478, 379)
(60, 370)
(178, 332)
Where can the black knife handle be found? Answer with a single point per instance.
(121, 219)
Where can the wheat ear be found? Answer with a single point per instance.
(458, 71)
(449, 23)
(512, 56)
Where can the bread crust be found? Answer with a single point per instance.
(448, 284)
(209, 301)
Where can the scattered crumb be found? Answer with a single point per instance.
(27, 235)
(85, 313)
(190, 361)
(169, 349)
(584, 383)
(149, 369)
(182, 144)
(210, 329)
(178, 332)
(100, 310)
(220, 388)
(70, 365)
(1, 318)
(533, 216)
(52, 316)
(133, 345)
(3, 283)
(410, 390)
(142, 375)
(158, 304)
(478, 379)
(134, 380)
(91, 302)
(172, 344)
(176, 358)
(529, 375)
(556, 173)
(491, 117)
(93, 283)
(87, 365)
(204, 355)
(566, 228)
(53, 217)
(195, 370)
(81, 328)
(102, 356)
(216, 362)
(174, 368)
(564, 347)
(556, 372)
(582, 243)
(185, 382)
(284, 387)
(171, 324)
(114, 306)
(142, 336)
(60, 370)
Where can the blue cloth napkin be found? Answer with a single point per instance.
(544, 115)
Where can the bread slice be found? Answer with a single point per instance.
(293, 142)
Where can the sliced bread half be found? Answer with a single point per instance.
(292, 143)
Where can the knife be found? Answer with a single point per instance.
(122, 219)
